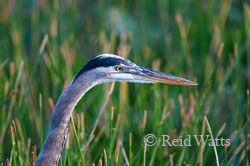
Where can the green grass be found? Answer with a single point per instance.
(44, 44)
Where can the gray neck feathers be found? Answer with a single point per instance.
(54, 143)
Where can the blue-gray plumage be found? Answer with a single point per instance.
(101, 69)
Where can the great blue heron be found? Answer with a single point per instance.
(101, 69)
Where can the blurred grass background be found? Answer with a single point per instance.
(43, 44)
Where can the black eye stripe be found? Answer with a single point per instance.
(103, 62)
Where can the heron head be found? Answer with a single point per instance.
(109, 68)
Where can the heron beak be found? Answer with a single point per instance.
(152, 76)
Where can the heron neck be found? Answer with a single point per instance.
(55, 141)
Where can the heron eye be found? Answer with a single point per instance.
(119, 68)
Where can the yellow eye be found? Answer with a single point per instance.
(119, 68)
